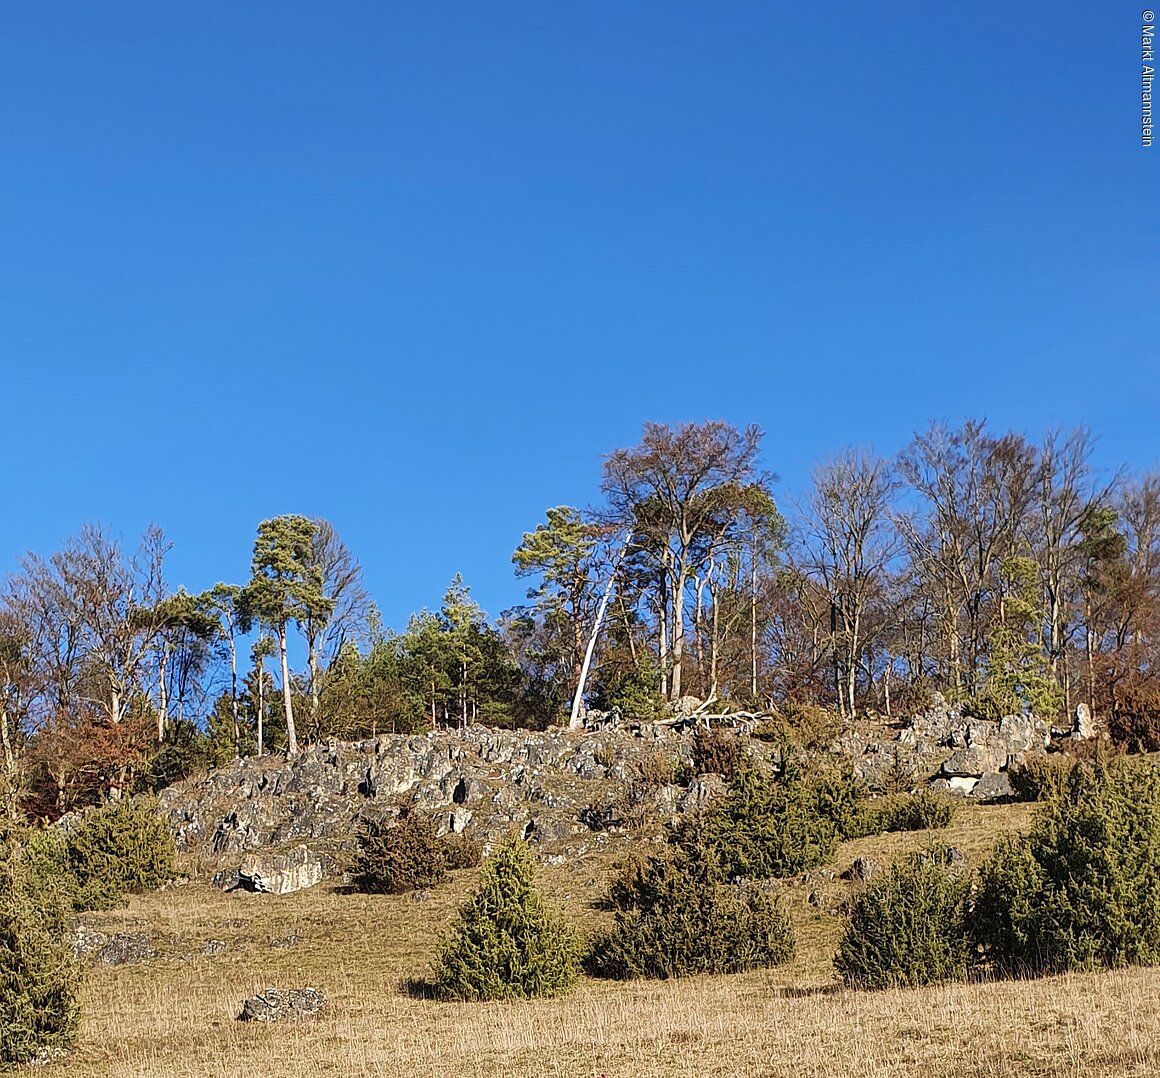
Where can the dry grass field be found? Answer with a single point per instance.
(175, 1017)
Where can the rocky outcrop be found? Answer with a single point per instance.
(276, 825)
(1083, 729)
(278, 1005)
(949, 751)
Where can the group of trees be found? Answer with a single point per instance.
(1005, 573)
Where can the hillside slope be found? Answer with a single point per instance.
(174, 1015)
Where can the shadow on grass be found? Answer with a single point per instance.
(806, 992)
(420, 988)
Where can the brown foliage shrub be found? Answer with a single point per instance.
(716, 752)
(403, 856)
(459, 851)
(656, 769)
(1134, 722)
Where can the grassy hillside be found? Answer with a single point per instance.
(174, 1016)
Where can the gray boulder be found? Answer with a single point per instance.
(275, 874)
(277, 1005)
(993, 786)
(863, 870)
(125, 949)
(972, 762)
(961, 785)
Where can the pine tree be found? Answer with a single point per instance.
(286, 585)
(507, 942)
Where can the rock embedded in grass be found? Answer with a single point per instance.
(119, 949)
(863, 870)
(278, 1005)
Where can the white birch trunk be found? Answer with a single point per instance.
(291, 733)
(578, 699)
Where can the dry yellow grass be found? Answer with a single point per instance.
(174, 1018)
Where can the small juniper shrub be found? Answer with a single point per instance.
(121, 849)
(627, 878)
(676, 916)
(38, 974)
(808, 728)
(1040, 777)
(506, 942)
(44, 853)
(908, 927)
(762, 827)
(922, 811)
(1082, 889)
(845, 799)
(394, 857)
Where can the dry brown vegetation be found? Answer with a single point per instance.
(174, 1017)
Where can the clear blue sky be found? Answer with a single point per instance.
(416, 267)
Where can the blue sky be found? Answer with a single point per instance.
(416, 267)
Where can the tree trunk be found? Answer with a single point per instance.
(577, 640)
(678, 631)
(234, 694)
(578, 699)
(698, 624)
(1089, 636)
(6, 738)
(714, 648)
(837, 660)
(753, 625)
(163, 710)
(291, 733)
(261, 707)
(627, 630)
(11, 784)
(854, 634)
(463, 694)
(312, 655)
(663, 633)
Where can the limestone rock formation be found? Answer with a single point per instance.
(1083, 728)
(275, 874)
